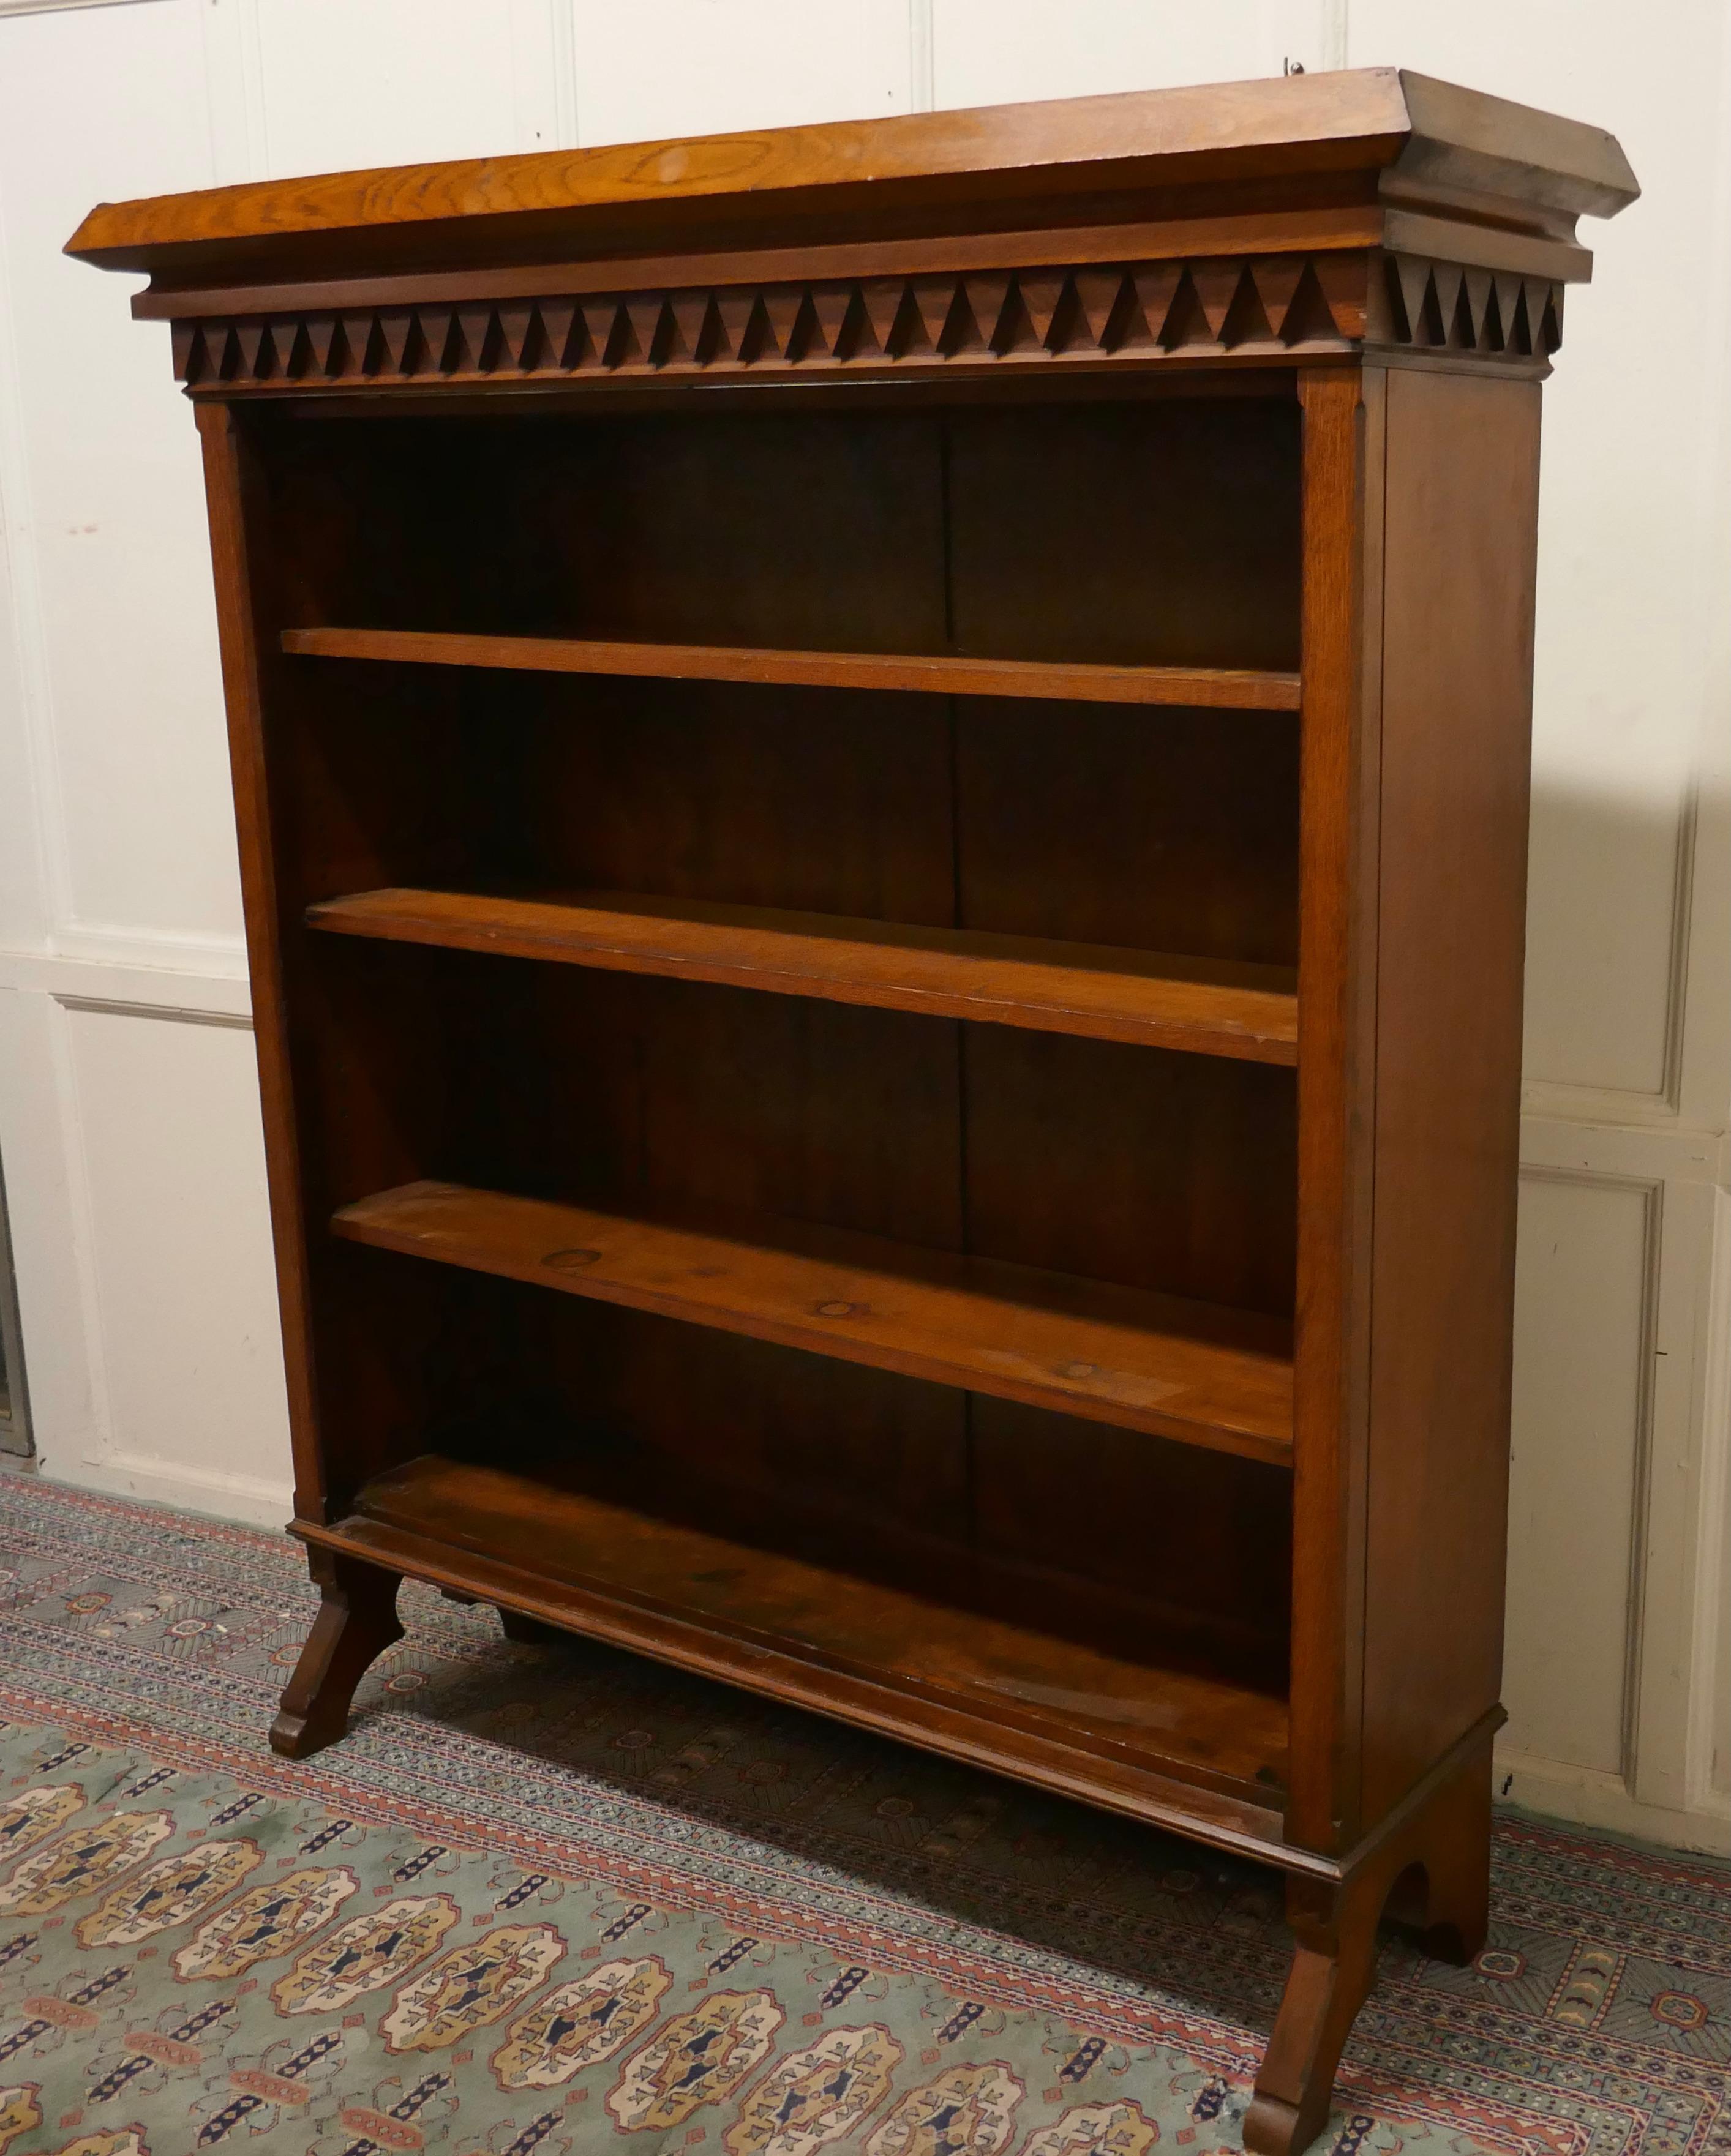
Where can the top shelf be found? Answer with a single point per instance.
(1224, 688)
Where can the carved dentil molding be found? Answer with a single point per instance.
(1231, 306)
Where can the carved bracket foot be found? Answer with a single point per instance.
(357, 1622)
(1432, 1868)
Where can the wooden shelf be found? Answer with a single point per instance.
(1218, 1379)
(967, 1684)
(1227, 688)
(1143, 998)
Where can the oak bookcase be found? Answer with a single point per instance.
(883, 778)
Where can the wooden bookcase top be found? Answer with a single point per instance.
(1357, 147)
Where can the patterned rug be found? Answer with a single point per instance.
(558, 1900)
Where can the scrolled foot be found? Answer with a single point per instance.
(1272, 2127)
(357, 1622)
(1435, 1862)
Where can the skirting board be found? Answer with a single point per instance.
(249, 1500)
(1588, 1798)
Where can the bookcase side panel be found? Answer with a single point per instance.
(1344, 412)
(231, 494)
(1460, 538)
(353, 1101)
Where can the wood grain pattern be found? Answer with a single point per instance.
(1213, 687)
(1098, 992)
(1209, 1376)
(1439, 139)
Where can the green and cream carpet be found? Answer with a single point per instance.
(558, 1900)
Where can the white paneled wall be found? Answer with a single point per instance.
(128, 1122)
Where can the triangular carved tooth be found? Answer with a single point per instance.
(881, 298)
(188, 347)
(1507, 295)
(1216, 284)
(475, 326)
(1550, 326)
(601, 319)
(687, 338)
(1187, 321)
(1276, 278)
(1344, 281)
(294, 349)
(517, 333)
(1041, 291)
(1155, 286)
(320, 338)
(1415, 287)
(222, 346)
(1435, 327)
(735, 311)
(394, 326)
(1447, 278)
(439, 350)
(987, 295)
(645, 311)
(1246, 319)
(1306, 318)
(1476, 285)
(1491, 334)
(782, 306)
(831, 307)
(356, 343)
(1520, 325)
(1097, 294)
(557, 316)
(963, 332)
(934, 298)
(256, 350)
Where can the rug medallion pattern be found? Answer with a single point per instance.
(555, 1900)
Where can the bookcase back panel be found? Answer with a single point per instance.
(825, 800)
(1158, 1171)
(1163, 830)
(1164, 531)
(1150, 534)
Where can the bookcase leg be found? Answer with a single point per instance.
(1436, 1866)
(1333, 1963)
(1457, 1901)
(357, 1622)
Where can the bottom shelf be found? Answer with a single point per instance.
(1173, 1748)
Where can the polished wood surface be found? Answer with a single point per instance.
(1045, 595)
(1433, 141)
(1459, 538)
(1096, 991)
(1339, 867)
(1217, 687)
(1209, 1376)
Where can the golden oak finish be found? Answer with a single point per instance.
(881, 782)
(1401, 134)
